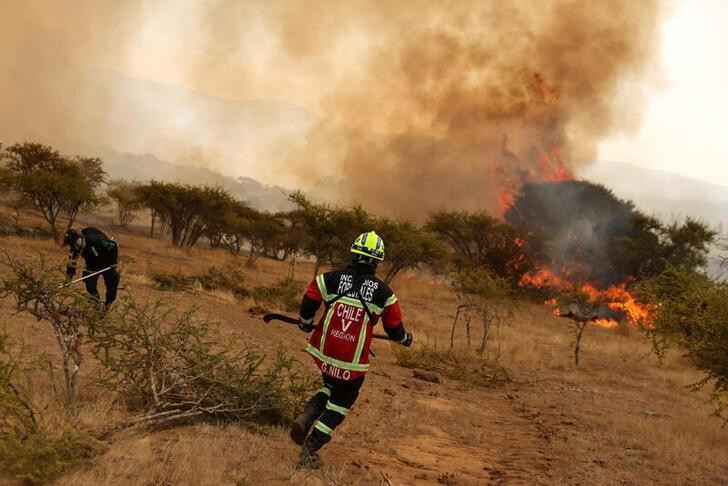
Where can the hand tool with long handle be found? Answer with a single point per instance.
(294, 320)
(87, 276)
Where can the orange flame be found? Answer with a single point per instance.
(551, 168)
(616, 297)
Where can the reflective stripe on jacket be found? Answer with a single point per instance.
(354, 304)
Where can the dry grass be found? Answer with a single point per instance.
(621, 417)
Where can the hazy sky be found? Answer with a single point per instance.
(385, 74)
(685, 121)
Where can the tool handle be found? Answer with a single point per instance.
(292, 320)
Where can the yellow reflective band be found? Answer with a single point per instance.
(357, 303)
(335, 362)
(322, 288)
(323, 428)
(329, 315)
(391, 300)
(362, 338)
(325, 391)
(336, 408)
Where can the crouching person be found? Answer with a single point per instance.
(99, 253)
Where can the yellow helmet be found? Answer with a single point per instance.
(369, 244)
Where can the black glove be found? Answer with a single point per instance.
(407, 340)
(305, 325)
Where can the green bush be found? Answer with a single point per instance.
(230, 277)
(285, 293)
(464, 366)
(173, 282)
(690, 311)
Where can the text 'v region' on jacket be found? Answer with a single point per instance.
(354, 303)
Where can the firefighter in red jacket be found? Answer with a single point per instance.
(354, 301)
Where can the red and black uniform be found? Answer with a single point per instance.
(354, 302)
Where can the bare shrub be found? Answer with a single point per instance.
(483, 296)
(230, 277)
(172, 367)
(38, 290)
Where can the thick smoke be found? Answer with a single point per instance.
(462, 103)
(418, 104)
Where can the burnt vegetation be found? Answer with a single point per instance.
(583, 231)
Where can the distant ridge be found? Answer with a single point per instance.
(668, 196)
(143, 167)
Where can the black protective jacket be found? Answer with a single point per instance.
(98, 252)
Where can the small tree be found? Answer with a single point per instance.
(53, 184)
(231, 228)
(330, 230)
(480, 240)
(37, 290)
(408, 247)
(582, 308)
(189, 211)
(150, 196)
(125, 197)
(262, 234)
(481, 295)
(291, 240)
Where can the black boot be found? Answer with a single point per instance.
(302, 424)
(309, 459)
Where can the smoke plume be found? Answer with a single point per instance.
(403, 106)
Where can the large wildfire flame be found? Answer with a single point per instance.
(616, 297)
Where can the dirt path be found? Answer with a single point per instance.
(458, 436)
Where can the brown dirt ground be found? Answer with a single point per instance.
(621, 418)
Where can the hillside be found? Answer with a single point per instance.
(621, 418)
(135, 116)
(146, 167)
(668, 196)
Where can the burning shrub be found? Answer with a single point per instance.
(582, 233)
